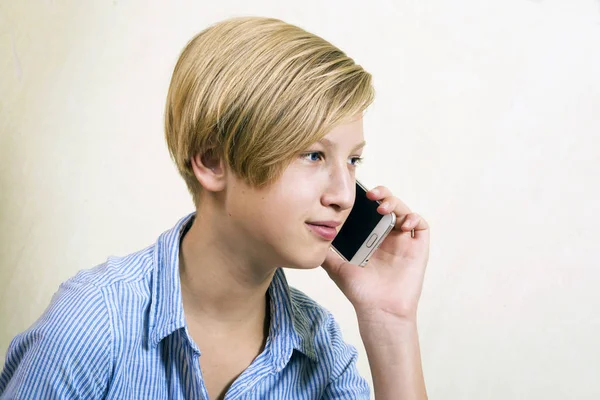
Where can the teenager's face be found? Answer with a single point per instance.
(279, 222)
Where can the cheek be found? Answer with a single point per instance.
(294, 205)
(284, 207)
(282, 218)
(270, 213)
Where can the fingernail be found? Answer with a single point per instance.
(385, 204)
(375, 192)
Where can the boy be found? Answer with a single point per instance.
(264, 122)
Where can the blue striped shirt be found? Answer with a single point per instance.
(118, 331)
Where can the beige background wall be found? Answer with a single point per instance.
(486, 122)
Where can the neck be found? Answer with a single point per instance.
(218, 283)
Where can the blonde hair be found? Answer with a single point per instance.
(256, 92)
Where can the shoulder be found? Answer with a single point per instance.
(77, 305)
(67, 349)
(322, 335)
(133, 267)
(317, 325)
(83, 307)
(70, 347)
(307, 312)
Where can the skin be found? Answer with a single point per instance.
(242, 234)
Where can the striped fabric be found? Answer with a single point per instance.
(118, 331)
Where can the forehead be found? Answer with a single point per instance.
(348, 134)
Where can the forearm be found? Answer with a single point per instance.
(394, 355)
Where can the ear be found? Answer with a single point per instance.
(210, 171)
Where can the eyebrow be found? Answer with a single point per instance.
(329, 143)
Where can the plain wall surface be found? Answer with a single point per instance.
(486, 122)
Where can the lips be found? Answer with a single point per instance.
(323, 231)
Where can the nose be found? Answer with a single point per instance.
(341, 189)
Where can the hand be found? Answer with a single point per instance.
(391, 282)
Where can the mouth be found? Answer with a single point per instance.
(323, 231)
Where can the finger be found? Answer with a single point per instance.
(416, 225)
(421, 224)
(412, 221)
(406, 220)
(383, 194)
(379, 193)
(393, 204)
(388, 205)
(401, 208)
(404, 217)
(421, 230)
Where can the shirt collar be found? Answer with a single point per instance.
(166, 307)
(289, 329)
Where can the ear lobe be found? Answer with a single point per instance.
(209, 170)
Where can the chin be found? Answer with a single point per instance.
(310, 261)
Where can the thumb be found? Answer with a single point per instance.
(340, 271)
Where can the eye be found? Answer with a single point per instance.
(313, 156)
(319, 156)
(357, 160)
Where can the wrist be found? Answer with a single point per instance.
(384, 328)
(382, 318)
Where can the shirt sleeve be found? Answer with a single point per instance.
(66, 353)
(345, 382)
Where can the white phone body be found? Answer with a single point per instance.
(365, 231)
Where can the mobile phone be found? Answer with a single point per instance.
(364, 230)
